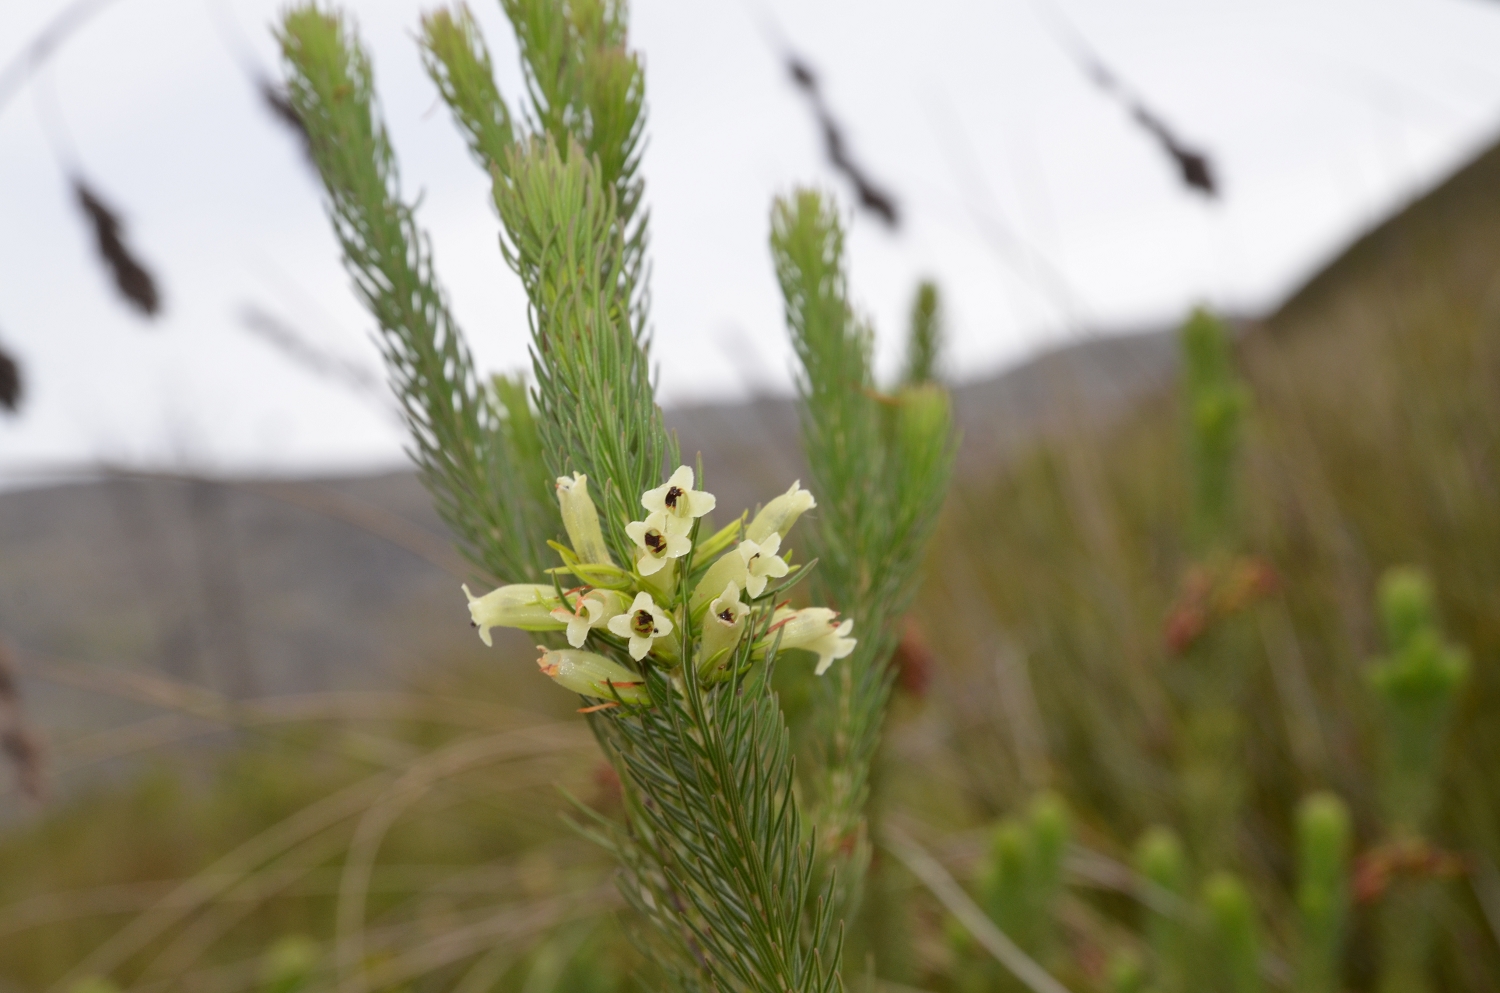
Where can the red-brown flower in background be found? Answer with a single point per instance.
(914, 660)
(1212, 593)
(1416, 858)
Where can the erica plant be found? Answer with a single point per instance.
(583, 524)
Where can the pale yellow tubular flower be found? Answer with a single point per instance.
(678, 502)
(656, 543)
(581, 520)
(661, 584)
(814, 629)
(593, 675)
(642, 623)
(593, 610)
(762, 563)
(527, 606)
(723, 625)
(728, 568)
(778, 516)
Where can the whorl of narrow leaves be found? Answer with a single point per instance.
(479, 475)
(459, 63)
(1021, 880)
(1323, 838)
(1160, 859)
(716, 856)
(1216, 402)
(924, 343)
(595, 402)
(1235, 935)
(1417, 683)
(840, 424)
(586, 86)
(131, 277)
(881, 466)
(568, 198)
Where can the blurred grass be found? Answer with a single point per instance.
(418, 844)
(408, 835)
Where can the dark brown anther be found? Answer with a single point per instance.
(672, 495)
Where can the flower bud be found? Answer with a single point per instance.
(588, 674)
(723, 626)
(581, 520)
(527, 606)
(778, 516)
(728, 568)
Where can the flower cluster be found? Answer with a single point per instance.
(685, 595)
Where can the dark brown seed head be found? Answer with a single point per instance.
(10, 382)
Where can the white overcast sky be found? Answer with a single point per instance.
(1042, 211)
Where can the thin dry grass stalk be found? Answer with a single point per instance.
(306, 825)
(359, 865)
(321, 881)
(509, 929)
(968, 913)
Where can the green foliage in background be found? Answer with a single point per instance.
(1323, 843)
(1416, 684)
(880, 465)
(1214, 404)
(1371, 443)
(1019, 885)
(924, 343)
